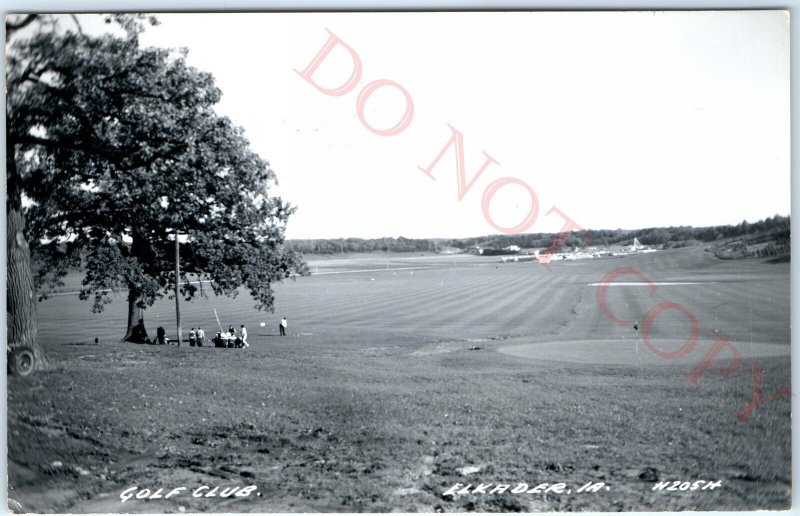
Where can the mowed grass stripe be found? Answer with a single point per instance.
(438, 287)
(434, 309)
(346, 304)
(480, 308)
(320, 299)
(626, 304)
(477, 312)
(473, 302)
(730, 307)
(738, 310)
(398, 288)
(521, 314)
(416, 306)
(746, 312)
(453, 291)
(402, 303)
(467, 288)
(534, 302)
(312, 295)
(352, 300)
(358, 302)
(563, 311)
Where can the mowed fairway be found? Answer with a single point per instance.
(392, 381)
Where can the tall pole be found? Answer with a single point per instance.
(177, 286)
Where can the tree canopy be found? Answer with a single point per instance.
(117, 148)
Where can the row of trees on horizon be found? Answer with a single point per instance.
(673, 236)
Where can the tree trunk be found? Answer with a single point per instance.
(23, 330)
(136, 331)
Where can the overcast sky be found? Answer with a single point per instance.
(620, 120)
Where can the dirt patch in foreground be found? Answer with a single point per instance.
(374, 423)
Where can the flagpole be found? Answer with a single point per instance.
(177, 286)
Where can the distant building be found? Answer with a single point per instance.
(495, 251)
(636, 246)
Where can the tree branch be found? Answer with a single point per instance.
(14, 27)
(77, 24)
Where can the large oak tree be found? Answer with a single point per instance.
(117, 148)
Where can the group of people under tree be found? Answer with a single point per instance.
(223, 339)
(230, 339)
(197, 338)
(131, 121)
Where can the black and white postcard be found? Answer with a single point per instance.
(441, 261)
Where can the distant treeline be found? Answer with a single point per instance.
(668, 237)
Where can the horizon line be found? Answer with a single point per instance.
(493, 235)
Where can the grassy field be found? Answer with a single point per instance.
(393, 381)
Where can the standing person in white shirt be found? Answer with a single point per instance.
(201, 336)
(243, 336)
(283, 326)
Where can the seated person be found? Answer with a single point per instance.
(139, 334)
